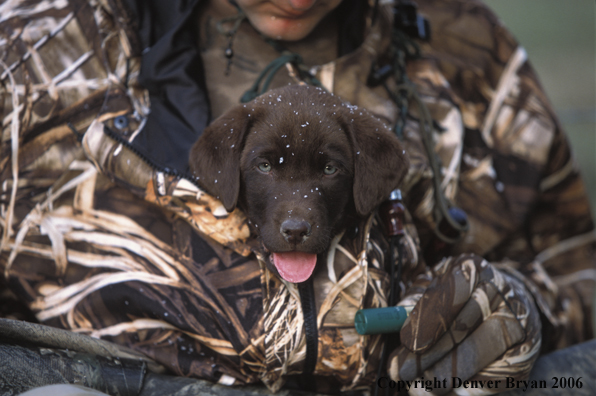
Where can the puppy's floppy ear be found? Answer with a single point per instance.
(380, 162)
(215, 157)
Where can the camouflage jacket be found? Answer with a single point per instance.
(99, 235)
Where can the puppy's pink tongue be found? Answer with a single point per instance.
(295, 267)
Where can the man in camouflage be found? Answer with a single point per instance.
(104, 233)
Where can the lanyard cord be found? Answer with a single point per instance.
(236, 21)
(286, 58)
(404, 48)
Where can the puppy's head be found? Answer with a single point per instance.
(302, 164)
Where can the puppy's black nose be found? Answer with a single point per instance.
(295, 231)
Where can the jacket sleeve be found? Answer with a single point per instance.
(519, 183)
(559, 242)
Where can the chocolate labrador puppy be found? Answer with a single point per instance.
(303, 165)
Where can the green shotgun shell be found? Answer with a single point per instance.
(381, 320)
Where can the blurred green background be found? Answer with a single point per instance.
(560, 39)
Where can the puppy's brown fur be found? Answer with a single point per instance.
(301, 163)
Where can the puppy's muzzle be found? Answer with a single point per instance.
(295, 231)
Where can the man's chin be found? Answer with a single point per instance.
(284, 28)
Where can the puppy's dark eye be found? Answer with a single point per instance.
(329, 169)
(265, 167)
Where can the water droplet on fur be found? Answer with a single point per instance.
(281, 160)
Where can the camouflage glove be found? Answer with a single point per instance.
(470, 322)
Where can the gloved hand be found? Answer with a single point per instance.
(470, 321)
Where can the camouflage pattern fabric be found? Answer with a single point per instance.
(461, 307)
(96, 240)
